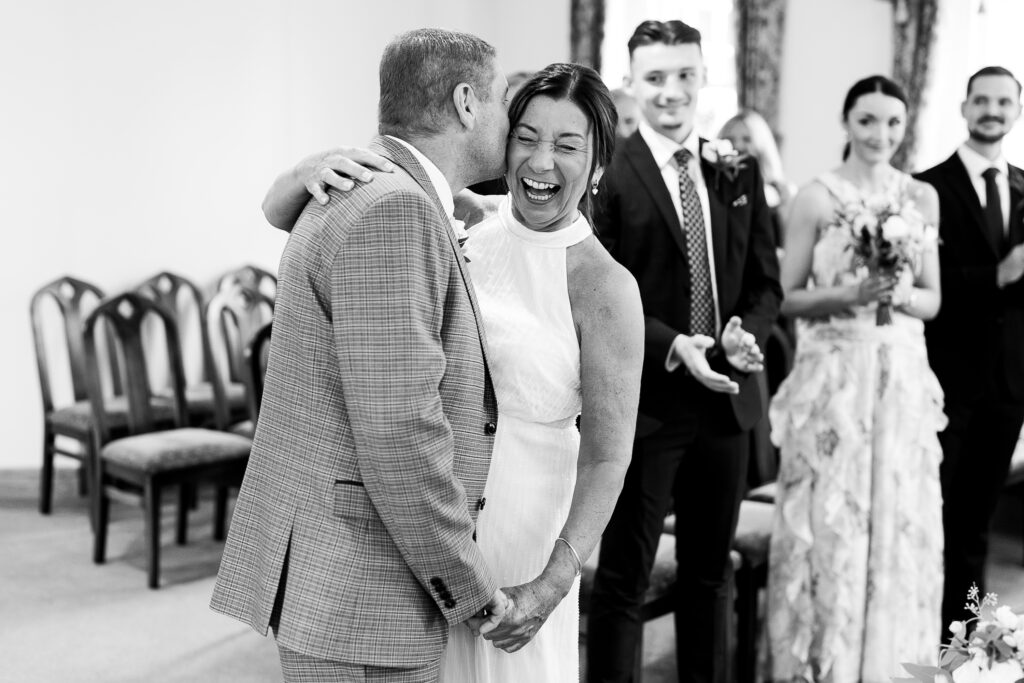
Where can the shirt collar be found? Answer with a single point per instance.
(437, 179)
(663, 148)
(976, 164)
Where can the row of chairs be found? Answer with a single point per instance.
(139, 426)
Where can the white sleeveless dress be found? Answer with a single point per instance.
(855, 568)
(534, 356)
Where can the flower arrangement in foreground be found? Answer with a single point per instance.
(888, 238)
(987, 648)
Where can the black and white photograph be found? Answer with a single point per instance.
(552, 341)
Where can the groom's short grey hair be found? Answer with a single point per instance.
(419, 72)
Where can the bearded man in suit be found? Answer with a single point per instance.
(353, 534)
(976, 342)
(691, 223)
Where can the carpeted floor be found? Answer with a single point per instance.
(64, 619)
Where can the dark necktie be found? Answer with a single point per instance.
(993, 210)
(702, 311)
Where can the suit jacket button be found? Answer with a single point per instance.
(449, 604)
(490, 428)
(480, 503)
(435, 582)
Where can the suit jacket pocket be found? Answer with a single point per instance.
(351, 501)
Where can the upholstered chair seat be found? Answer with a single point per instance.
(175, 448)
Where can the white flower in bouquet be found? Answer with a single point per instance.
(865, 220)
(977, 670)
(895, 228)
(1006, 618)
(880, 204)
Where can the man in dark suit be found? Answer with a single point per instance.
(976, 343)
(692, 225)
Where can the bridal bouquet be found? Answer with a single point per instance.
(888, 238)
(987, 648)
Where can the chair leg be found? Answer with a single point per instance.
(83, 477)
(746, 623)
(185, 496)
(220, 513)
(152, 512)
(46, 475)
(100, 517)
(89, 466)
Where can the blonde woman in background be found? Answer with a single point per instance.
(750, 134)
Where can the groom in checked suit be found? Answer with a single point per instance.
(976, 343)
(353, 535)
(694, 229)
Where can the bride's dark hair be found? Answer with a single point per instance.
(582, 86)
(866, 86)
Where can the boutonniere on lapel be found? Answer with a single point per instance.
(724, 158)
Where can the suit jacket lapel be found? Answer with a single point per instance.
(397, 152)
(719, 216)
(1016, 233)
(639, 155)
(960, 182)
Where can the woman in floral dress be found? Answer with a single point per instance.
(855, 574)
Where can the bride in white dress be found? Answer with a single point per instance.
(564, 334)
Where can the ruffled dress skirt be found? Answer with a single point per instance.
(855, 569)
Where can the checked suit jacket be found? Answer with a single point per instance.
(974, 343)
(374, 436)
(636, 220)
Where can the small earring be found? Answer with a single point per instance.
(593, 188)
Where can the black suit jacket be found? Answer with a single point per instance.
(637, 222)
(976, 342)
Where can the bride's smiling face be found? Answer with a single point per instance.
(876, 125)
(550, 153)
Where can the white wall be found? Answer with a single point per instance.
(828, 45)
(137, 137)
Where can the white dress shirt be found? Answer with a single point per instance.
(663, 149)
(976, 164)
(441, 186)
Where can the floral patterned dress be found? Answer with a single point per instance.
(855, 572)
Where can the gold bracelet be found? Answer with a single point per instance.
(575, 555)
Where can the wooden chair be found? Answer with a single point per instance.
(255, 356)
(184, 301)
(250, 277)
(233, 318)
(73, 300)
(749, 558)
(148, 459)
(659, 599)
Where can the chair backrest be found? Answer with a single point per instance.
(233, 316)
(124, 316)
(184, 301)
(73, 299)
(250, 277)
(256, 356)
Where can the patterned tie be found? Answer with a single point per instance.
(702, 302)
(993, 209)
